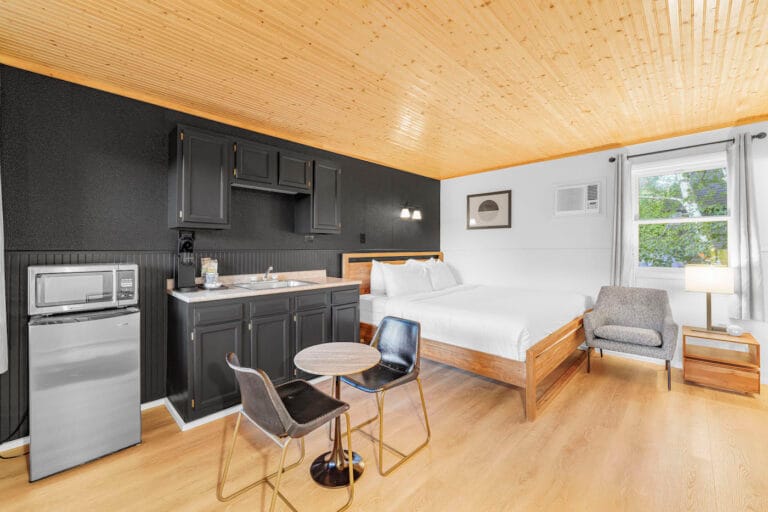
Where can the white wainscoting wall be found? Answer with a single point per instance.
(573, 253)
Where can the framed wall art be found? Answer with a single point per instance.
(490, 210)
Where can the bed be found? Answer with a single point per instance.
(526, 338)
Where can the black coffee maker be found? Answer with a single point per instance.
(185, 262)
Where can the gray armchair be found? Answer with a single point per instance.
(634, 321)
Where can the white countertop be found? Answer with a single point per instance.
(318, 281)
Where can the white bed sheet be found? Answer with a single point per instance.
(496, 320)
(373, 308)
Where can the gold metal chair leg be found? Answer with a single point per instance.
(350, 466)
(380, 440)
(281, 469)
(276, 488)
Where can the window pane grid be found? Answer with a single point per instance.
(684, 220)
(682, 215)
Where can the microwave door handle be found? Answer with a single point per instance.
(38, 290)
(114, 285)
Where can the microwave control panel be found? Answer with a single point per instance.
(126, 284)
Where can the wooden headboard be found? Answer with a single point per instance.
(357, 265)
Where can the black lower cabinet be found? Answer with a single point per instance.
(311, 329)
(270, 346)
(346, 322)
(265, 332)
(215, 385)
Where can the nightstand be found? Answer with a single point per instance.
(722, 368)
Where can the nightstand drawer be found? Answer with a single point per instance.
(722, 376)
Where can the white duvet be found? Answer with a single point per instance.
(495, 320)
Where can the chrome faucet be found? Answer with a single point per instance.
(268, 274)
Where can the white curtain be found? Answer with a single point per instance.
(749, 276)
(3, 316)
(623, 251)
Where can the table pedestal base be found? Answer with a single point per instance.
(329, 473)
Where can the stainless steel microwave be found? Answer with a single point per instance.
(66, 288)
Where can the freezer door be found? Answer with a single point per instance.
(83, 388)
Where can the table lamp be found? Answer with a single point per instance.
(710, 279)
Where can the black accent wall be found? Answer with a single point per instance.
(84, 179)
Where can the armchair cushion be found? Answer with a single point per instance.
(635, 335)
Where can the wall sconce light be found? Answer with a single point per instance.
(410, 212)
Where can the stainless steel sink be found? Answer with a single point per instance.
(270, 285)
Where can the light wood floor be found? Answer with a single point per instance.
(612, 440)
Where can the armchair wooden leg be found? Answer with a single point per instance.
(669, 376)
(589, 360)
(601, 353)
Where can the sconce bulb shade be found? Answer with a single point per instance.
(416, 215)
(405, 213)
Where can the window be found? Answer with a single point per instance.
(682, 211)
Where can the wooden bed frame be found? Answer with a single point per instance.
(541, 361)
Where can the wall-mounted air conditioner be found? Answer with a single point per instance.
(582, 199)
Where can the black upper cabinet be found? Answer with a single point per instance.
(320, 212)
(294, 171)
(205, 164)
(198, 186)
(255, 164)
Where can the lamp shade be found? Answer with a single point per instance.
(709, 278)
(416, 214)
(405, 213)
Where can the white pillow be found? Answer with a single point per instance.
(441, 276)
(406, 280)
(412, 261)
(378, 286)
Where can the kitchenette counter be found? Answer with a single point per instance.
(315, 279)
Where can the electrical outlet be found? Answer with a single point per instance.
(362, 238)
(309, 238)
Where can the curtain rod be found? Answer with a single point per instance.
(760, 135)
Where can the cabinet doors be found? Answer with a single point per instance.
(345, 321)
(204, 179)
(326, 198)
(295, 171)
(215, 385)
(320, 212)
(255, 163)
(271, 346)
(311, 328)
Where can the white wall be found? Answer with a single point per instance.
(573, 253)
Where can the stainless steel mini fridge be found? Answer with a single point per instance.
(84, 386)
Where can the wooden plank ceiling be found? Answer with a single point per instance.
(436, 88)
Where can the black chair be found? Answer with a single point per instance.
(399, 342)
(284, 413)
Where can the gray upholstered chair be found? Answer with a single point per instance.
(284, 413)
(399, 341)
(634, 321)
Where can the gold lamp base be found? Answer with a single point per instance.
(712, 329)
(709, 328)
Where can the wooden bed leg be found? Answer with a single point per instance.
(530, 388)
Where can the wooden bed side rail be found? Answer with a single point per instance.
(546, 356)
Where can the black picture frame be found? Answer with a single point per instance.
(502, 195)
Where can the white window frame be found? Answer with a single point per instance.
(677, 166)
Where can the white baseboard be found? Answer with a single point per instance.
(154, 403)
(184, 426)
(16, 443)
(12, 445)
